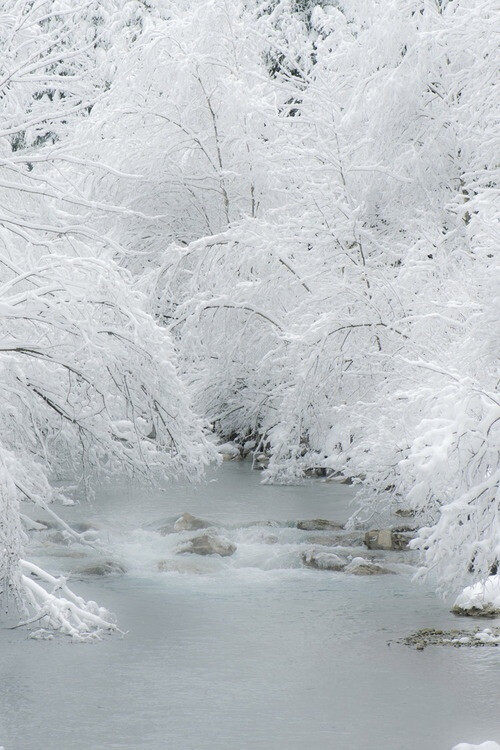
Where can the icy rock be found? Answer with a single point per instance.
(104, 568)
(321, 560)
(480, 600)
(359, 566)
(319, 524)
(209, 544)
(388, 539)
(187, 522)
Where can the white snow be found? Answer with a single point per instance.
(487, 636)
(484, 746)
(228, 449)
(480, 595)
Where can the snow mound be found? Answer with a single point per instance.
(484, 746)
(229, 449)
(480, 598)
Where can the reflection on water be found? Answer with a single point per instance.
(247, 652)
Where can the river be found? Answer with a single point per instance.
(247, 652)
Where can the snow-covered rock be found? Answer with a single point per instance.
(387, 539)
(260, 461)
(209, 544)
(490, 745)
(229, 451)
(480, 600)
(187, 522)
(359, 566)
(487, 636)
(319, 524)
(321, 560)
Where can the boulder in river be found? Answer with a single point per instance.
(104, 568)
(482, 599)
(361, 567)
(321, 560)
(229, 452)
(319, 524)
(488, 610)
(388, 539)
(209, 544)
(187, 522)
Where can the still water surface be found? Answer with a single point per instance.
(249, 652)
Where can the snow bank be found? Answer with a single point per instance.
(484, 746)
(482, 597)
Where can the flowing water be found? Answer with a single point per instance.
(252, 651)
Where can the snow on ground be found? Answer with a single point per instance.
(481, 595)
(484, 746)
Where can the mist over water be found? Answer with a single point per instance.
(246, 652)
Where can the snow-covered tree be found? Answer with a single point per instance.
(305, 194)
(345, 320)
(89, 381)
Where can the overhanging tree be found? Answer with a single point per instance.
(88, 379)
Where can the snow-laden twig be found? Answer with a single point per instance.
(57, 609)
